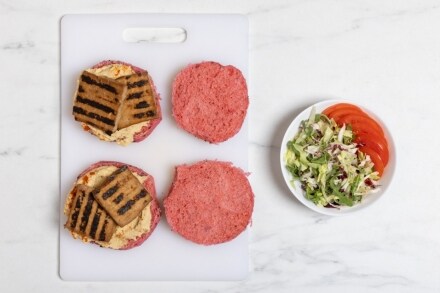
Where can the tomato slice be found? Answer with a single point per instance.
(367, 122)
(340, 106)
(362, 128)
(340, 112)
(368, 132)
(377, 161)
(376, 146)
(365, 135)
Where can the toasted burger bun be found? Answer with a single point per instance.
(210, 100)
(134, 233)
(134, 133)
(210, 202)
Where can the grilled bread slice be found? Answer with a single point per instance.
(122, 196)
(98, 101)
(87, 218)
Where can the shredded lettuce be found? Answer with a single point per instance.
(326, 161)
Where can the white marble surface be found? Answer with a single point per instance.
(383, 54)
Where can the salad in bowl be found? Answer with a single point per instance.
(336, 157)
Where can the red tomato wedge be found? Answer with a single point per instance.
(376, 146)
(330, 109)
(367, 122)
(377, 161)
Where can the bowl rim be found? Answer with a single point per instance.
(299, 193)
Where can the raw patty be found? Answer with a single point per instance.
(210, 202)
(210, 100)
(149, 186)
(146, 130)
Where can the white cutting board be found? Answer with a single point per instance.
(88, 39)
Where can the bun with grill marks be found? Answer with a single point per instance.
(112, 204)
(117, 101)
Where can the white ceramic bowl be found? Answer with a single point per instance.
(384, 182)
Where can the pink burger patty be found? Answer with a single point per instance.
(210, 202)
(210, 100)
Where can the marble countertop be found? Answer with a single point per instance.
(379, 54)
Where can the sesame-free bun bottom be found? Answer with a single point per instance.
(210, 202)
(142, 232)
(210, 100)
(147, 129)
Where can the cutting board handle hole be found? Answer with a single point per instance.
(154, 35)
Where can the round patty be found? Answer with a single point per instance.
(148, 185)
(210, 202)
(148, 129)
(210, 100)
